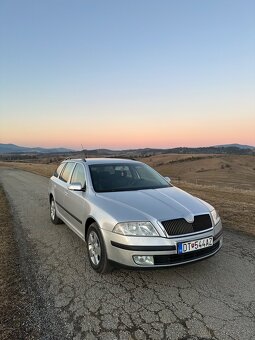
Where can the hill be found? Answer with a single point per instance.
(12, 148)
(238, 149)
(235, 171)
(240, 146)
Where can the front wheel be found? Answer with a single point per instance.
(53, 213)
(96, 250)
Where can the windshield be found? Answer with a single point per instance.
(125, 177)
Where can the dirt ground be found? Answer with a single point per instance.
(14, 297)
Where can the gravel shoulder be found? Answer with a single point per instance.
(25, 313)
(14, 297)
(210, 299)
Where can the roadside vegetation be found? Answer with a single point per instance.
(235, 206)
(225, 181)
(14, 297)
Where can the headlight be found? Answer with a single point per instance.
(135, 229)
(215, 216)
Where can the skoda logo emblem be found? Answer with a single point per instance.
(189, 218)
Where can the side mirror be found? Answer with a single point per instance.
(168, 180)
(76, 187)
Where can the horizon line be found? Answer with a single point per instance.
(130, 148)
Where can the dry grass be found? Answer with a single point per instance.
(37, 168)
(236, 171)
(236, 207)
(13, 295)
(226, 181)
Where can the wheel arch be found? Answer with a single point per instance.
(50, 197)
(89, 221)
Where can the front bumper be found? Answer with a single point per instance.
(122, 249)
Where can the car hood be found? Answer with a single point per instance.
(161, 204)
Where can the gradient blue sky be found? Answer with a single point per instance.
(122, 74)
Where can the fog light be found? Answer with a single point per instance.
(144, 260)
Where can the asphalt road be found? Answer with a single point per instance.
(210, 299)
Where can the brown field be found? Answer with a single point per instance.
(235, 171)
(37, 168)
(225, 181)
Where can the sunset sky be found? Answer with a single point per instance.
(127, 73)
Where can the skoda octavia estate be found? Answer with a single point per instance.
(127, 213)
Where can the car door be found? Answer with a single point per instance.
(76, 201)
(61, 189)
(56, 186)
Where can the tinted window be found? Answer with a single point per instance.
(67, 172)
(125, 177)
(59, 169)
(78, 175)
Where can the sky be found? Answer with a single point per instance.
(127, 74)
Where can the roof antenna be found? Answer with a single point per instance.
(83, 150)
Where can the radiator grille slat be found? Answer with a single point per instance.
(180, 226)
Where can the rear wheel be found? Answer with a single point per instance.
(96, 250)
(53, 213)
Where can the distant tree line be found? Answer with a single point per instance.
(212, 150)
(135, 153)
(45, 158)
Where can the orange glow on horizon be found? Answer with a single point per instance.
(128, 131)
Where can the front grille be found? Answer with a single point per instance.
(180, 226)
(160, 260)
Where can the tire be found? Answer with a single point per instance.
(96, 250)
(53, 213)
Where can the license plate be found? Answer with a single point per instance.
(187, 247)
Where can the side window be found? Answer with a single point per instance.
(78, 175)
(59, 169)
(66, 172)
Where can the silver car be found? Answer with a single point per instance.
(129, 214)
